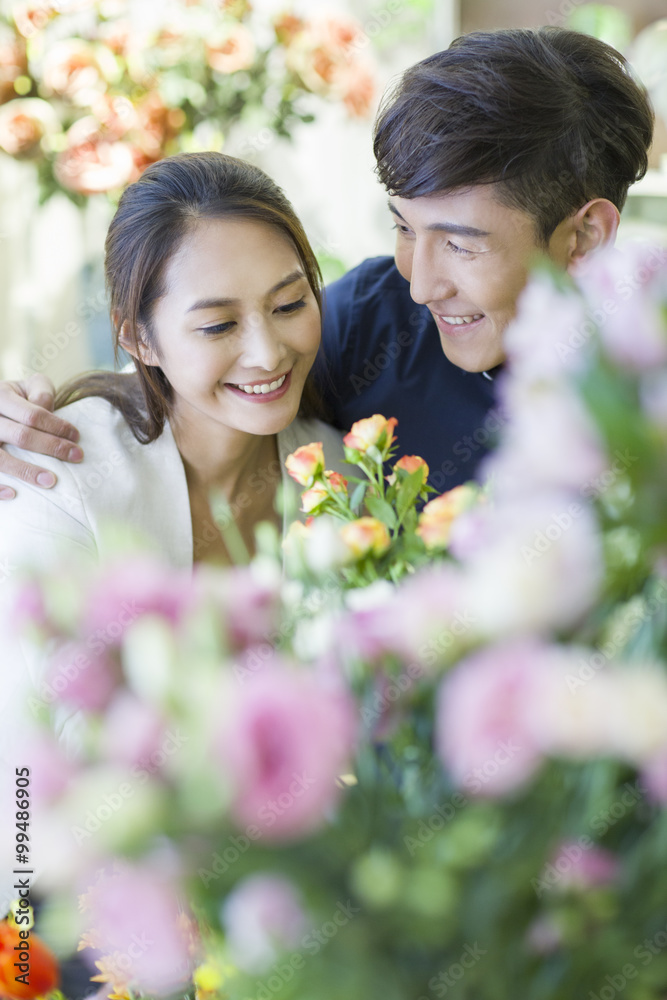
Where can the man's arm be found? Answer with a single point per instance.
(27, 421)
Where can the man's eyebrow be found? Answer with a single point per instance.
(218, 303)
(445, 227)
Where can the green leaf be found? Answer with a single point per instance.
(408, 491)
(358, 496)
(382, 511)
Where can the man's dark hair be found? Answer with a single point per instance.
(553, 116)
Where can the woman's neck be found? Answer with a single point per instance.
(223, 458)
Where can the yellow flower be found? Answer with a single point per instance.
(436, 519)
(372, 431)
(305, 463)
(366, 536)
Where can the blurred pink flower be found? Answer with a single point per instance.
(262, 917)
(132, 730)
(550, 441)
(136, 586)
(626, 288)
(551, 334)
(580, 867)
(134, 914)
(421, 620)
(654, 777)
(81, 676)
(486, 717)
(248, 605)
(522, 552)
(30, 16)
(50, 770)
(285, 737)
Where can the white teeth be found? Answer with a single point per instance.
(459, 320)
(264, 388)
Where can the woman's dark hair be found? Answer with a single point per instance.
(551, 115)
(154, 216)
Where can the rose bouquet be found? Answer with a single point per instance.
(337, 785)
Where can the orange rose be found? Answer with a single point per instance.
(305, 463)
(366, 536)
(234, 52)
(436, 519)
(410, 464)
(374, 431)
(42, 965)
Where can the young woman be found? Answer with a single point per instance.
(215, 293)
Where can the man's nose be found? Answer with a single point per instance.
(428, 278)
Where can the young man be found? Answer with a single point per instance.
(507, 145)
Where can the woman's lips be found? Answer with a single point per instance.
(262, 397)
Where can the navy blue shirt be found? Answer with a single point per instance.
(381, 353)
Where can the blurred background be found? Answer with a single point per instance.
(92, 91)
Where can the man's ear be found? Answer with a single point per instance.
(140, 349)
(590, 229)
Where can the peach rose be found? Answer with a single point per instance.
(305, 463)
(13, 63)
(77, 70)
(93, 165)
(235, 51)
(410, 464)
(313, 497)
(31, 17)
(23, 124)
(287, 27)
(337, 482)
(359, 90)
(375, 431)
(366, 536)
(436, 519)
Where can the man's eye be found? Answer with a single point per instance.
(458, 249)
(404, 230)
(292, 306)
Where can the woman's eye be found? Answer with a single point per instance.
(219, 328)
(292, 306)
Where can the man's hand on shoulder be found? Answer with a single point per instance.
(27, 420)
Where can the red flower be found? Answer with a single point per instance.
(41, 966)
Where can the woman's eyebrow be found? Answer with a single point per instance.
(218, 303)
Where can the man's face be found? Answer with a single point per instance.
(467, 258)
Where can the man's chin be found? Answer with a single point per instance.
(472, 362)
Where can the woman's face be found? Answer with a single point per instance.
(238, 328)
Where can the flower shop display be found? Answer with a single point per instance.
(93, 91)
(430, 759)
